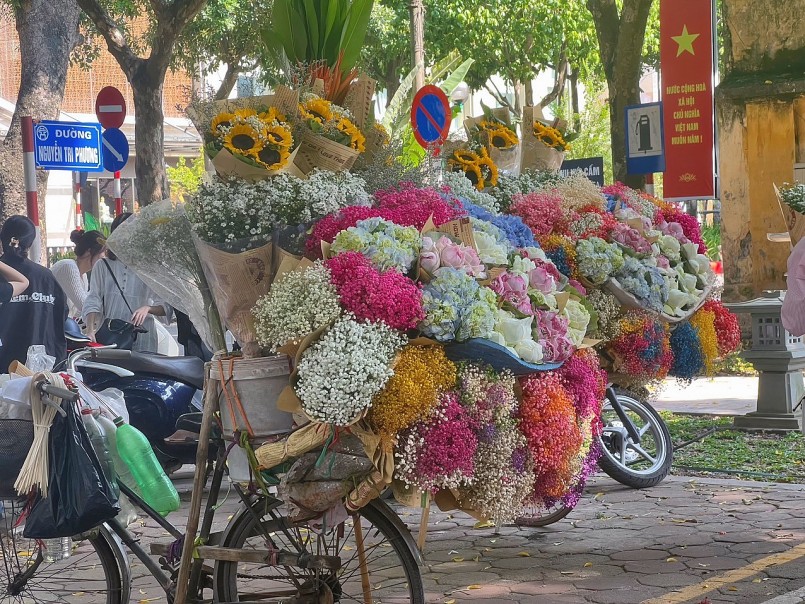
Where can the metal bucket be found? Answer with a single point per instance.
(258, 383)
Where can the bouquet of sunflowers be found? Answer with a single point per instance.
(329, 137)
(476, 164)
(496, 134)
(544, 143)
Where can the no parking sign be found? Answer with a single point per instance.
(430, 117)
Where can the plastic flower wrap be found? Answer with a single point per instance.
(687, 350)
(543, 212)
(297, 304)
(727, 328)
(598, 260)
(440, 250)
(340, 374)
(644, 282)
(439, 452)
(553, 336)
(504, 469)
(457, 307)
(516, 335)
(386, 244)
(421, 375)
(641, 347)
(578, 319)
(370, 294)
(549, 422)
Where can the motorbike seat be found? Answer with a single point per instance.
(189, 370)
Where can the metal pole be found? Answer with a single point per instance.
(118, 195)
(31, 196)
(79, 216)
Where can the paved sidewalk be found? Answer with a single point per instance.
(711, 396)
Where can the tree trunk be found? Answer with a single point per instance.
(149, 130)
(574, 100)
(391, 80)
(48, 32)
(229, 81)
(529, 93)
(417, 14)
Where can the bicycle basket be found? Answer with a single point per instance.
(16, 438)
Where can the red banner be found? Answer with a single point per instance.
(686, 70)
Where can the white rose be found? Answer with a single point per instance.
(530, 351)
(497, 338)
(536, 253)
(522, 266)
(513, 330)
(691, 250)
(489, 251)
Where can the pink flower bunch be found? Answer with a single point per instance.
(514, 290)
(369, 294)
(616, 189)
(542, 212)
(631, 238)
(690, 227)
(439, 453)
(542, 279)
(445, 252)
(549, 422)
(585, 381)
(414, 206)
(328, 227)
(577, 286)
(591, 221)
(556, 345)
(674, 229)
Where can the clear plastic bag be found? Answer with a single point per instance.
(39, 360)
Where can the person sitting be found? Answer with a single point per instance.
(793, 311)
(72, 274)
(12, 283)
(37, 315)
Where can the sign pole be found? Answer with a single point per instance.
(29, 165)
(118, 195)
(79, 216)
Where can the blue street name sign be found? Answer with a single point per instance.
(115, 149)
(593, 168)
(67, 146)
(645, 141)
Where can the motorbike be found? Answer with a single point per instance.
(158, 390)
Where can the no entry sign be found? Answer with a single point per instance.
(110, 107)
(430, 117)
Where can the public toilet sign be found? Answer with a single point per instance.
(68, 146)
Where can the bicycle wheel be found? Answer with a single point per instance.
(90, 575)
(635, 465)
(391, 571)
(537, 515)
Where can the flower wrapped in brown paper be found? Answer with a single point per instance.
(503, 145)
(534, 154)
(317, 151)
(237, 279)
(794, 221)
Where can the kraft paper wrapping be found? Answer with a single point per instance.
(284, 99)
(448, 500)
(359, 100)
(237, 281)
(316, 151)
(227, 165)
(298, 443)
(370, 488)
(534, 155)
(794, 221)
(379, 449)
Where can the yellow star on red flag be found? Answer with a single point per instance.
(685, 41)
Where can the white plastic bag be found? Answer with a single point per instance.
(110, 402)
(39, 360)
(15, 402)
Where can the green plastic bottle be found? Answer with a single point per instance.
(135, 450)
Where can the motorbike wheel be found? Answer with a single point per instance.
(636, 465)
(538, 516)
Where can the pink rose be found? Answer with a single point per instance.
(578, 287)
(514, 290)
(662, 262)
(429, 261)
(459, 257)
(541, 280)
(557, 349)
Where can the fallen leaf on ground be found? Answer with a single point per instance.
(524, 555)
(588, 564)
(484, 524)
(474, 587)
(458, 559)
(671, 559)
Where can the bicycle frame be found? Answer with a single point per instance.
(628, 424)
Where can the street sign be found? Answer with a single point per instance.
(645, 144)
(430, 117)
(110, 107)
(67, 146)
(593, 168)
(115, 149)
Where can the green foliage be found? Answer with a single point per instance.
(711, 233)
(93, 224)
(56, 256)
(593, 138)
(386, 53)
(793, 195)
(186, 179)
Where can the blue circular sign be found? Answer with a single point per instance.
(430, 116)
(115, 149)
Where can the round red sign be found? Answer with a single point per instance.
(110, 107)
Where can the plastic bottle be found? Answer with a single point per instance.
(123, 472)
(57, 549)
(157, 489)
(101, 446)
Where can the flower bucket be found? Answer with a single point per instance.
(248, 390)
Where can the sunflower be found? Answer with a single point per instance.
(489, 171)
(385, 138)
(272, 114)
(472, 172)
(245, 113)
(357, 140)
(272, 157)
(464, 156)
(242, 139)
(502, 137)
(319, 110)
(278, 135)
(220, 122)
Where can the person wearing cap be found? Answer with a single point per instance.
(12, 283)
(35, 316)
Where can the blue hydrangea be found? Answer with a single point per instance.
(598, 260)
(477, 211)
(518, 234)
(646, 283)
(457, 307)
(386, 244)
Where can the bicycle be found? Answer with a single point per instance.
(638, 457)
(262, 554)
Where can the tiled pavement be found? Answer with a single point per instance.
(682, 541)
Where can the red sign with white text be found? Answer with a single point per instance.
(686, 68)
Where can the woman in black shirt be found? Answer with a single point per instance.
(12, 283)
(37, 315)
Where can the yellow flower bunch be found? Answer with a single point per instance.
(333, 122)
(357, 140)
(550, 136)
(421, 375)
(703, 322)
(262, 138)
(478, 167)
(498, 134)
(317, 109)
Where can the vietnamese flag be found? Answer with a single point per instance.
(686, 73)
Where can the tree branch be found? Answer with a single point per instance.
(115, 38)
(559, 80)
(171, 22)
(499, 96)
(228, 83)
